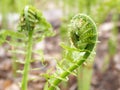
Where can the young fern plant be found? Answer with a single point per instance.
(83, 35)
(31, 20)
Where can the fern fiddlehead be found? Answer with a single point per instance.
(83, 35)
(30, 19)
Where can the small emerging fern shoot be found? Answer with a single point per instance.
(31, 19)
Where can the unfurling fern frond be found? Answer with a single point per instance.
(31, 20)
(83, 36)
(83, 33)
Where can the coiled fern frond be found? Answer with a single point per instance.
(32, 19)
(83, 35)
(31, 23)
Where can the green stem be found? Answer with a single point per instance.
(79, 77)
(65, 74)
(72, 68)
(84, 74)
(14, 65)
(27, 61)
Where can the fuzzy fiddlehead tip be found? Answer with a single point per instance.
(83, 32)
(30, 18)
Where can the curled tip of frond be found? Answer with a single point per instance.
(27, 19)
(83, 31)
(30, 17)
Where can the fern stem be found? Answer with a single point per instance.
(79, 77)
(14, 65)
(27, 61)
(65, 73)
